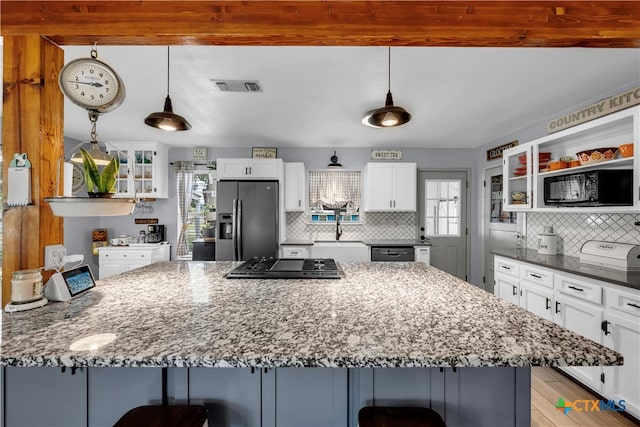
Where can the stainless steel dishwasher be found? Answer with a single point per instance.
(392, 253)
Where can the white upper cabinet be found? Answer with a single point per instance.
(390, 187)
(249, 169)
(517, 184)
(294, 187)
(526, 167)
(144, 169)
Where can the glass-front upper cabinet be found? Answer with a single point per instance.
(143, 169)
(517, 191)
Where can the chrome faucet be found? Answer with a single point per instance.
(338, 228)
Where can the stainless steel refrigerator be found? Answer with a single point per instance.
(247, 220)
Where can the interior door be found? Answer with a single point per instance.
(443, 218)
(500, 228)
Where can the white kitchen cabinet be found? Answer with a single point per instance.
(390, 187)
(144, 169)
(294, 187)
(585, 319)
(612, 130)
(44, 396)
(118, 259)
(506, 280)
(294, 251)
(242, 168)
(517, 188)
(622, 333)
(536, 299)
(603, 312)
(507, 288)
(423, 254)
(536, 290)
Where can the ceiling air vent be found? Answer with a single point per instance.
(237, 85)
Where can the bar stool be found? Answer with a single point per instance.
(388, 416)
(164, 415)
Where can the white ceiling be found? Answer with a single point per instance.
(316, 96)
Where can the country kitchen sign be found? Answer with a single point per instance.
(601, 108)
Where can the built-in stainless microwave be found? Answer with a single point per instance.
(606, 187)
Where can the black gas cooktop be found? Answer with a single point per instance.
(286, 268)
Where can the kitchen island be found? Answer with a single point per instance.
(186, 314)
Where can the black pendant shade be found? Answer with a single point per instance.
(167, 119)
(334, 161)
(389, 115)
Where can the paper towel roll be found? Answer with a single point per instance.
(68, 180)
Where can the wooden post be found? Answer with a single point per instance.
(33, 124)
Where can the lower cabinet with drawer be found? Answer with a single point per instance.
(606, 313)
(118, 259)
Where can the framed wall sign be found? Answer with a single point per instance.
(200, 153)
(264, 153)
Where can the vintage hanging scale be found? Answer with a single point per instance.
(92, 84)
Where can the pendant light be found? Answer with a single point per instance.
(389, 115)
(100, 157)
(334, 161)
(167, 119)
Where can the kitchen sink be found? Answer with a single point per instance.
(340, 250)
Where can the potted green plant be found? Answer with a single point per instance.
(99, 184)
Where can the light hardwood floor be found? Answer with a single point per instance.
(547, 385)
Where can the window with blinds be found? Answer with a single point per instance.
(333, 193)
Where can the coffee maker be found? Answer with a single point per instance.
(155, 233)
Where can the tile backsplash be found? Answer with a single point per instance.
(374, 225)
(575, 229)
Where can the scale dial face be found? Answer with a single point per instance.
(91, 84)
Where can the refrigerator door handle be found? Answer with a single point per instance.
(239, 222)
(234, 226)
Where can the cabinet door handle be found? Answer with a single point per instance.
(246, 170)
(394, 203)
(605, 327)
(535, 275)
(633, 305)
(557, 307)
(390, 204)
(548, 304)
(515, 290)
(249, 170)
(576, 289)
(505, 267)
(299, 203)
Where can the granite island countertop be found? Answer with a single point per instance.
(185, 313)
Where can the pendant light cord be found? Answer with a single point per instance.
(168, 70)
(389, 74)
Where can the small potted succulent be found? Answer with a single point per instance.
(99, 184)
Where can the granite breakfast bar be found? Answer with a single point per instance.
(386, 333)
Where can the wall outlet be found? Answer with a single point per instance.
(53, 255)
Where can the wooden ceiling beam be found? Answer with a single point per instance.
(337, 23)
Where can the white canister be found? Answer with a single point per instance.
(547, 242)
(26, 286)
